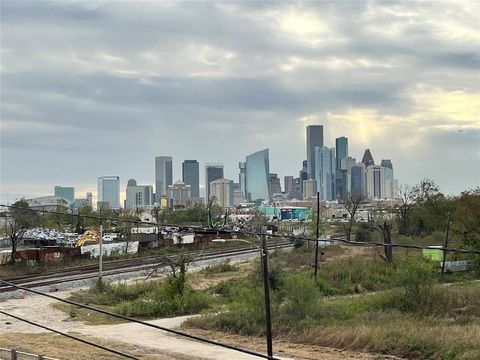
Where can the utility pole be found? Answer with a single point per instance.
(268, 320)
(100, 259)
(316, 241)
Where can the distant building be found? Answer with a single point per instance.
(212, 172)
(90, 199)
(109, 191)
(325, 172)
(367, 159)
(347, 164)
(238, 197)
(65, 192)
(221, 190)
(303, 174)
(314, 139)
(163, 176)
(391, 185)
(79, 203)
(179, 194)
(358, 178)
(310, 188)
(48, 203)
(138, 196)
(242, 166)
(341, 148)
(375, 182)
(341, 183)
(275, 186)
(288, 184)
(257, 176)
(191, 176)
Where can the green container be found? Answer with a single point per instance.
(434, 253)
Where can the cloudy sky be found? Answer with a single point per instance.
(101, 88)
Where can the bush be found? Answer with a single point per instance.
(222, 267)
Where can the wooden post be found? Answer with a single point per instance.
(316, 241)
(445, 245)
(13, 354)
(100, 258)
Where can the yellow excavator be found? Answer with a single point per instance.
(90, 237)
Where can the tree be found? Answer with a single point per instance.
(352, 202)
(22, 218)
(124, 228)
(407, 198)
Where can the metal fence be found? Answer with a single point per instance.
(12, 354)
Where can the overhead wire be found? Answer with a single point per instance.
(84, 341)
(144, 323)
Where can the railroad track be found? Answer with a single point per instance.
(115, 267)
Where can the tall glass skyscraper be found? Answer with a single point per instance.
(257, 176)
(212, 172)
(314, 139)
(191, 176)
(358, 179)
(325, 172)
(163, 176)
(109, 191)
(341, 148)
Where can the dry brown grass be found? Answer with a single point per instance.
(60, 347)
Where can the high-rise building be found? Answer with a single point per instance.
(221, 190)
(358, 179)
(257, 176)
(325, 172)
(288, 184)
(341, 146)
(179, 194)
(341, 183)
(138, 196)
(367, 158)
(191, 176)
(275, 186)
(90, 199)
(242, 166)
(303, 175)
(109, 191)
(212, 172)
(391, 185)
(346, 164)
(309, 188)
(238, 197)
(163, 176)
(375, 182)
(65, 192)
(314, 139)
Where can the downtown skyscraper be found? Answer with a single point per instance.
(109, 192)
(191, 176)
(212, 172)
(163, 176)
(314, 139)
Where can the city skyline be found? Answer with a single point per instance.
(78, 103)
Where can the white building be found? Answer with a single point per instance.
(178, 194)
(375, 182)
(138, 196)
(109, 191)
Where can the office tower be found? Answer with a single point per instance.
(325, 172)
(163, 176)
(310, 188)
(257, 176)
(212, 172)
(288, 184)
(341, 183)
(346, 164)
(191, 176)
(367, 158)
(341, 146)
(178, 194)
(65, 192)
(303, 175)
(90, 199)
(314, 139)
(221, 190)
(238, 197)
(242, 166)
(391, 185)
(358, 179)
(109, 192)
(275, 186)
(138, 196)
(375, 182)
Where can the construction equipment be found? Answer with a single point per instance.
(90, 237)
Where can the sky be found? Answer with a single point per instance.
(100, 88)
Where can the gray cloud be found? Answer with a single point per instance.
(88, 88)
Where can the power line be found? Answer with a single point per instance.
(71, 336)
(249, 232)
(176, 332)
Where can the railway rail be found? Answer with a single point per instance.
(114, 267)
